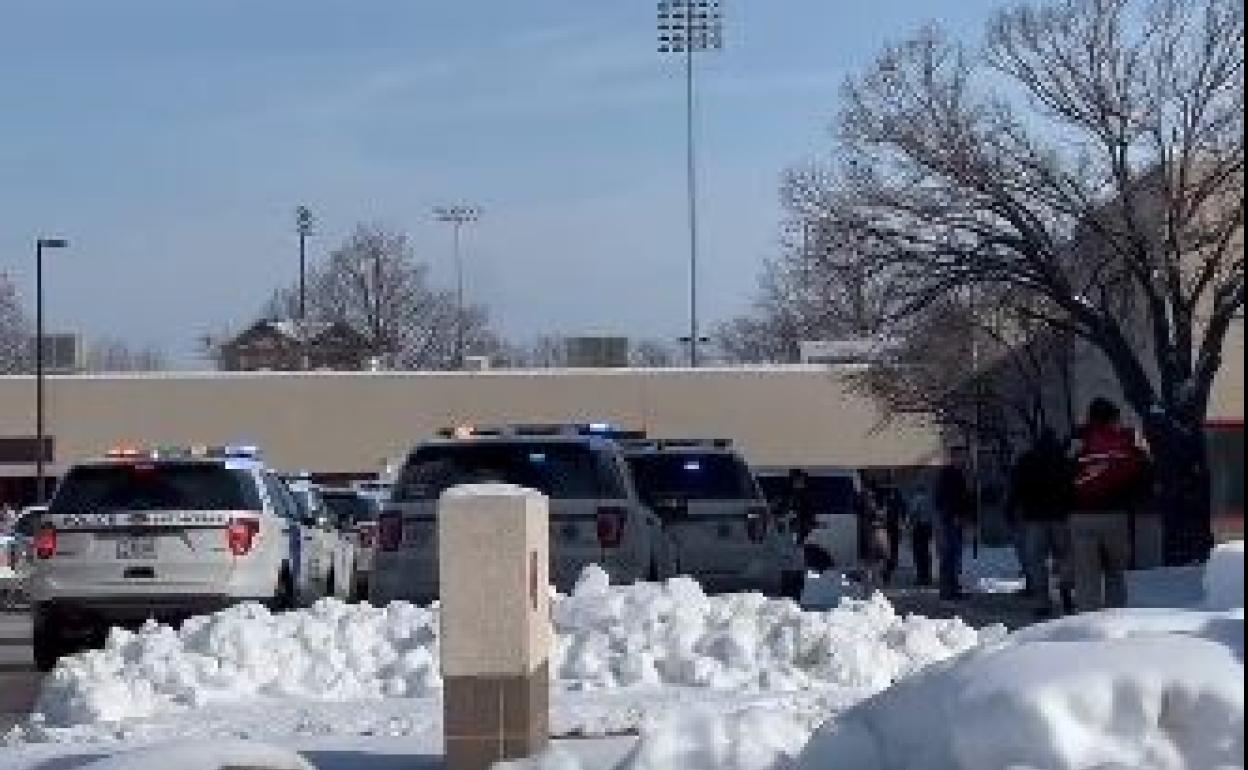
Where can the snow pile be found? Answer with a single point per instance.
(1224, 577)
(198, 755)
(1155, 689)
(674, 634)
(750, 739)
(607, 637)
(331, 651)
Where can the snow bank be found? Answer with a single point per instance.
(200, 755)
(1155, 689)
(1224, 577)
(750, 739)
(607, 637)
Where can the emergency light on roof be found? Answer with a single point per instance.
(125, 452)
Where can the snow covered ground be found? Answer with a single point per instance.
(734, 682)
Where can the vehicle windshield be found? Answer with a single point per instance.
(154, 486)
(349, 508)
(691, 476)
(561, 471)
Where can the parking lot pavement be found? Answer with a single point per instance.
(19, 682)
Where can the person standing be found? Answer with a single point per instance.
(1111, 474)
(921, 529)
(1040, 498)
(956, 509)
(895, 516)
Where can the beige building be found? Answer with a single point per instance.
(353, 422)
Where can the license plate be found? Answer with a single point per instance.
(136, 548)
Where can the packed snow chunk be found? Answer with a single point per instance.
(1149, 689)
(751, 739)
(202, 755)
(1224, 577)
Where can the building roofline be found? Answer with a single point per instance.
(487, 373)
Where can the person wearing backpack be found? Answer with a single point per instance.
(1111, 472)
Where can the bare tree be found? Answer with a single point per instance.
(14, 330)
(816, 289)
(1091, 160)
(113, 355)
(374, 283)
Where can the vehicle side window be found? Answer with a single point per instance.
(283, 504)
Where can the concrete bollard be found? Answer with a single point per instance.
(493, 565)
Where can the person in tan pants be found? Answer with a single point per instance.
(1111, 475)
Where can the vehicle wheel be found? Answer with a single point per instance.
(329, 583)
(284, 593)
(46, 640)
(817, 559)
(791, 584)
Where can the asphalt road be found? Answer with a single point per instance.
(19, 682)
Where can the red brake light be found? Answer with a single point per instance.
(45, 542)
(241, 534)
(611, 526)
(389, 531)
(368, 535)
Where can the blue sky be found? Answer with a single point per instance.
(171, 139)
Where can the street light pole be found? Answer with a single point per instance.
(40, 245)
(457, 217)
(688, 27)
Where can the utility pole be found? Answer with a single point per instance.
(457, 216)
(688, 27)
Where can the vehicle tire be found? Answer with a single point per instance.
(792, 582)
(817, 559)
(652, 574)
(329, 584)
(284, 592)
(46, 641)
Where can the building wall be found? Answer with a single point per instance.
(353, 421)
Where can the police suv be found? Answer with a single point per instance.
(596, 516)
(164, 534)
(716, 524)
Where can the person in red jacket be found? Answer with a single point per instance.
(1111, 473)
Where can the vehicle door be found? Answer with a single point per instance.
(298, 539)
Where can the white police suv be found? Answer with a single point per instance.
(596, 516)
(161, 534)
(716, 524)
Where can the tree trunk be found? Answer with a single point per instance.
(1182, 487)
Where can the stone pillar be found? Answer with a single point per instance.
(493, 562)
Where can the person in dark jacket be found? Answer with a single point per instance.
(895, 516)
(955, 508)
(1041, 490)
(1111, 477)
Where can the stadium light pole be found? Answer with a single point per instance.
(40, 245)
(457, 216)
(688, 27)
